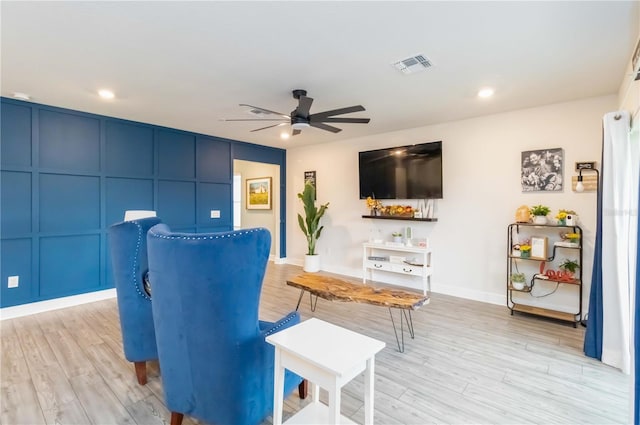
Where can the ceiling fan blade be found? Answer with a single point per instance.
(295, 132)
(258, 119)
(325, 127)
(269, 126)
(347, 110)
(304, 105)
(348, 120)
(266, 110)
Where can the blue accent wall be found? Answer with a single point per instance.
(66, 176)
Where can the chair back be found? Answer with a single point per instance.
(128, 247)
(206, 294)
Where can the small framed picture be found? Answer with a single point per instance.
(259, 193)
(539, 247)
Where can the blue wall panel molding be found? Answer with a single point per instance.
(69, 265)
(69, 142)
(130, 149)
(66, 176)
(16, 135)
(15, 191)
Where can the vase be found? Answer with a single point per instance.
(540, 219)
(518, 285)
(562, 222)
(525, 254)
(397, 239)
(311, 263)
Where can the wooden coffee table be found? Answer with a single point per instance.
(335, 289)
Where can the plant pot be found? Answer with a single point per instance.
(540, 219)
(311, 263)
(518, 285)
(562, 222)
(525, 254)
(397, 239)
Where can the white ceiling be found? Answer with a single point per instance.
(188, 65)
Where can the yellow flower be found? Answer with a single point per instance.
(573, 235)
(525, 248)
(561, 215)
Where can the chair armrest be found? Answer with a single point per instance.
(268, 328)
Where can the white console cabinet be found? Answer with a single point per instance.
(407, 260)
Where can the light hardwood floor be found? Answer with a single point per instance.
(470, 362)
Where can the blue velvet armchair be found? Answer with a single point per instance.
(128, 243)
(216, 365)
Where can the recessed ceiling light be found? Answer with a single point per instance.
(284, 135)
(486, 92)
(21, 96)
(106, 94)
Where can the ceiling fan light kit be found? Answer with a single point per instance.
(300, 118)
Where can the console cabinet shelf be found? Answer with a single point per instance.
(517, 298)
(388, 258)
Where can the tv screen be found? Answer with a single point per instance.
(403, 172)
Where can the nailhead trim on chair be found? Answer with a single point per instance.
(281, 324)
(197, 238)
(135, 263)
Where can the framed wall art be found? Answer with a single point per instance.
(259, 193)
(539, 247)
(542, 170)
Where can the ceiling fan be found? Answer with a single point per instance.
(300, 117)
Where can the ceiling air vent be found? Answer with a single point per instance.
(413, 64)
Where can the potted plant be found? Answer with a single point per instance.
(397, 236)
(539, 213)
(525, 251)
(518, 281)
(569, 266)
(310, 225)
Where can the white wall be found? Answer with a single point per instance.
(481, 162)
(268, 219)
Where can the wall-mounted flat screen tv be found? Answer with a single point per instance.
(403, 172)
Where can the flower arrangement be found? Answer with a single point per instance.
(572, 237)
(562, 216)
(401, 210)
(525, 251)
(396, 234)
(540, 210)
(518, 281)
(373, 204)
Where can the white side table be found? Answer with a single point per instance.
(328, 356)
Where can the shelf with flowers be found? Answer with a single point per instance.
(394, 212)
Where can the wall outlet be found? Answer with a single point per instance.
(215, 213)
(13, 281)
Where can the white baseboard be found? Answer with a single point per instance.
(281, 260)
(55, 304)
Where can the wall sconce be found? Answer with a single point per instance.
(581, 183)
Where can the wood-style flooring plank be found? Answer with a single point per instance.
(470, 362)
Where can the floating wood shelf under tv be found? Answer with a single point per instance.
(398, 217)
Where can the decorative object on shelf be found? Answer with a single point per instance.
(259, 193)
(523, 214)
(374, 205)
(397, 237)
(572, 219)
(525, 251)
(562, 216)
(539, 213)
(398, 210)
(542, 170)
(569, 266)
(539, 247)
(518, 281)
(572, 238)
(515, 250)
(310, 225)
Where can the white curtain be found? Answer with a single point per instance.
(621, 162)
